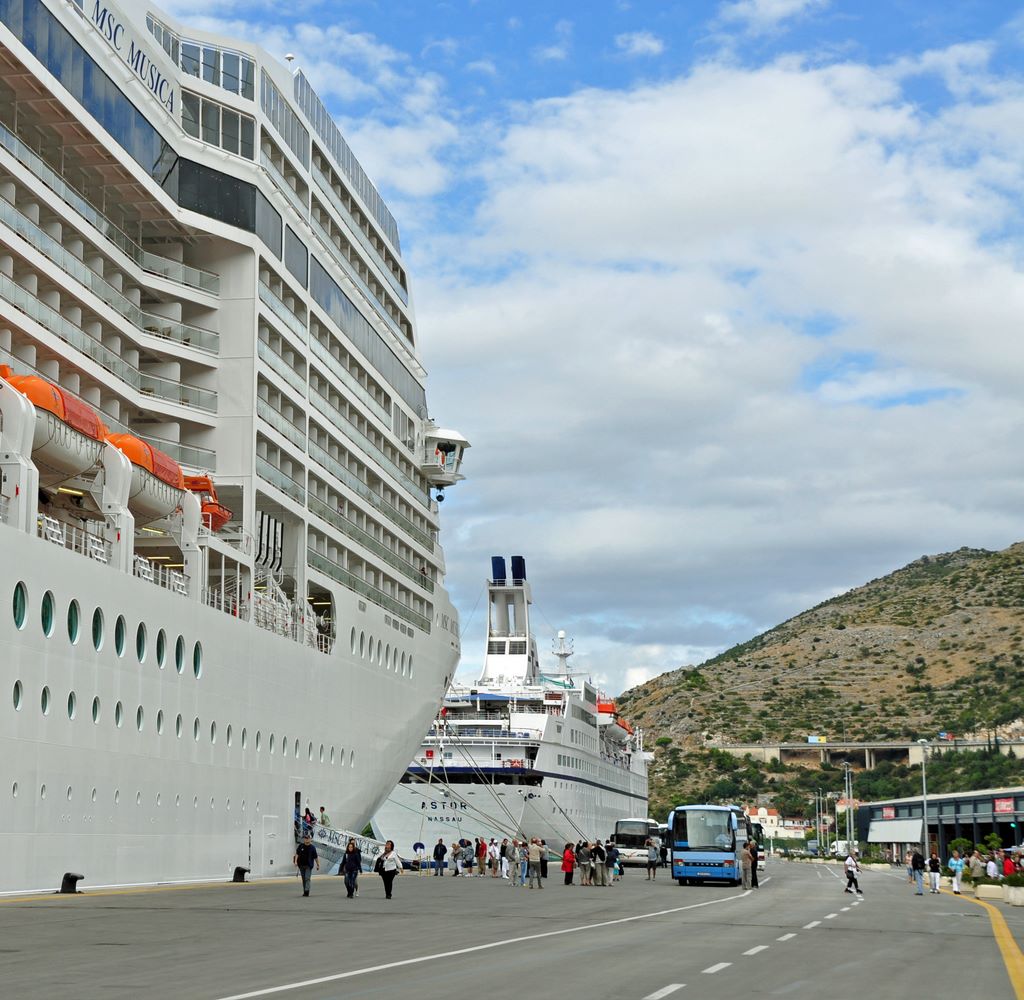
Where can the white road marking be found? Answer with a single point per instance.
(712, 969)
(664, 991)
(786, 937)
(336, 977)
(831, 916)
(756, 949)
(845, 909)
(813, 923)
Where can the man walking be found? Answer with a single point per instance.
(533, 864)
(917, 867)
(305, 858)
(439, 855)
(852, 870)
(598, 859)
(503, 856)
(325, 820)
(512, 857)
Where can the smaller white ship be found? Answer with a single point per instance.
(521, 752)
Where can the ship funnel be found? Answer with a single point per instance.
(497, 568)
(518, 568)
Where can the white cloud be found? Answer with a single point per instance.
(762, 16)
(485, 66)
(559, 49)
(639, 43)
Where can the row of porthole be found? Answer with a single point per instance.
(46, 700)
(377, 652)
(47, 616)
(94, 795)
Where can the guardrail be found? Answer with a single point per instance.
(70, 536)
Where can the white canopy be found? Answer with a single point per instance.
(895, 831)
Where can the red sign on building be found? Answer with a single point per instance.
(888, 812)
(1002, 806)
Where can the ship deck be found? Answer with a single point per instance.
(798, 936)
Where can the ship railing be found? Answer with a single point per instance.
(162, 576)
(84, 541)
(290, 621)
(228, 603)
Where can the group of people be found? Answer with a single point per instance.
(597, 862)
(304, 821)
(388, 865)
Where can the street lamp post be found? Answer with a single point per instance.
(924, 795)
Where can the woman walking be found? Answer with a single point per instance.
(568, 863)
(351, 866)
(956, 866)
(391, 865)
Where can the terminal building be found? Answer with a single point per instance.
(896, 823)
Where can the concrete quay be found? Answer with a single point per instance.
(871, 753)
(798, 936)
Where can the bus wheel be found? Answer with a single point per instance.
(681, 881)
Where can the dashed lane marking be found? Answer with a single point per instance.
(756, 949)
(786, 937)
(664, 991)
(813, 923)
(845, 909)
(712, 969)
(831, 916)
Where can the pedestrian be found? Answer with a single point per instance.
(568, 863)
(492, 857)
(543, 858)
(753, 869)
(956, 866)
(391, 865)
(466, 860)
(1009, 865)
(325, 820)
(977, 866)
(503, 857)
(512, 859)
(910, 867)
(351, 866)
(305, 858)
(481, 857)
(663, 854)
(439, 855)
(934, 871)
(852, 871)
(917, 867)
(524, 858)
(583, 862)
(533, 859)
(599, 860)
(745, 863)
(308, 821)
(991, 868)
(652, 860)
(611, 860)
(453, 857)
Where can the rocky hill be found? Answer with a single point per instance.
(936, 645)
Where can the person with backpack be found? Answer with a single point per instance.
(852, 871)
(305, 858)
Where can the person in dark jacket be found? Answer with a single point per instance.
(753, 868)
(351, 866)
(305, 858)
(439, 854)
(917, 867)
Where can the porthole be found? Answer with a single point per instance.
(195, 801)
(179, 654)
(296, 749)
(227, 805)
(403, 665)
(140, 642)
(117, 796)
(73, 622)
(245, 739)
(159, 799)
(309, 751)
(197, 660)
(120, 630)
(227, 736)
(321, 753)
(353, 641)
(72, 705)
(211, 802)
(177, 727)
(351, 758)
(14, 790)
(42, 791)
(380, 652)
(96, 709)
(18, 692)
(213, 732)
(46, 613)
(177, 801)
(140, 718)
(69, 793)
(243, 805)
(259, 741)
(97, 630)
(284, 746)
(138, 798)
(387, 657)
(195, 730)
(161, 649)
(20, 605)
(160, 722)
(92, 795)
(332, 756)
(271, 747)
(409, 666)
(119, 715)
(44, 701)
(362, 643)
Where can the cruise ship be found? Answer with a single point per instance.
(222, 588)
(522, 751)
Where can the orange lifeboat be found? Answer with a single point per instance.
(68, 436)
(215, 514)
(157, 480)
(606, 706)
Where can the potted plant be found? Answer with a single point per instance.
(1013, 890)
(988, 888)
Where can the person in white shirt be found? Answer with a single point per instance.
(852, 870)
(991, 868)
(492, 857)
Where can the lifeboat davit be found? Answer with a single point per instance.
(215, 514)
(68, 436)
(157, 481)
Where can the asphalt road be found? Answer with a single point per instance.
(798, 936)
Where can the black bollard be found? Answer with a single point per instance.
(240, 874)
(69, 884)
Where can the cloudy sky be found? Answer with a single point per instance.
(726, 294)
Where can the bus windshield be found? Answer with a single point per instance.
(633, 832)
(704, 829)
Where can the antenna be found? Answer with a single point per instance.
(562, 649)
(288, 57)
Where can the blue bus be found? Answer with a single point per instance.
(706, 843)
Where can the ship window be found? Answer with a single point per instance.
(117, 796)
(297, 750)
(21, 605)
(197, 660)
(93, 795)
(44, 701)
(72, 705)
(355, 644)
(190, 114)
(227, 736)
(140, 718)
(179, 654)
(332, 756)
(160, 722)
(211, 66)
(17, 696)
(97, 630)
(46, 613)
(42, 791)
(362, 643)
(14, 790)
(310, 752)
(95, 710)
(259, 740)
(210, 118)
(497, 647)
(161, 648)
(195, 730)
(73, 617)
(229, 63)
(190, 59)
(321, 753)
(118, 715)
(410, 664)
(119, 631)
(387, 657)
(271, 748)
(140, 642)
(245, 739)
(138, 798)
(177, 727)
(351, 758)
(213, 732)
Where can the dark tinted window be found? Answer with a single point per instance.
(296, 257)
